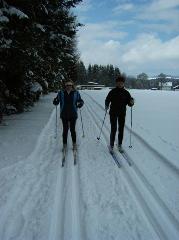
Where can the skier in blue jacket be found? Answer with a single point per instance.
(69, 100)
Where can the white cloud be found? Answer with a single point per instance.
(84, 6)
(123, 7)
(106, 30)
(147, 53)
(160, 10)
(155, 12)
(159, 5)
(149, 48)
(103, 43)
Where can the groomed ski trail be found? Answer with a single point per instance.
(165, 226)
(65, 218)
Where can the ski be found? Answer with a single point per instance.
(124, 154)
(114, 157)
(75, 155)
(64, 150)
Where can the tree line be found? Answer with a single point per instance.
(37, 48)
(106, 75)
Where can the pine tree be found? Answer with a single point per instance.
(37, 46)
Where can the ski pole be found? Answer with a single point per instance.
(102, 125)
(130, 146)
(56, 123)
(82, 123)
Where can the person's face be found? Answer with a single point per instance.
(120, 84)
(68, 86)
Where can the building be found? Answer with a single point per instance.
(91, 86)
(165, 86)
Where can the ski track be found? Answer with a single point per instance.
(123, 205)
(26, 191)
(146, 144)
(65, 217)
(152, 204)
(171, 211)
(40, 188)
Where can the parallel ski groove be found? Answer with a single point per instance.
(64, 156)
(124, 154)
(115, 157)
(151, 215)
(75, 156)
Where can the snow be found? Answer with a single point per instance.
(36, 87)
(4, 19)
(94, 199)
(17, 12)
(40, 26)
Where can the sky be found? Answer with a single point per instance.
(135, 35)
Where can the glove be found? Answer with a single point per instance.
(55, 101)
(106, 108)
(79, 104)
(131, 102)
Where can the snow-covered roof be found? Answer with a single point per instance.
(92, 83)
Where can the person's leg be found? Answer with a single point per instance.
(113, 121)
(65, 130)
(72, 129)
(121, 123)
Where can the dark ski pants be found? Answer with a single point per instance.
(114, 119)
(69, 123)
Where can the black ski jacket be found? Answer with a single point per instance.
(118, 98)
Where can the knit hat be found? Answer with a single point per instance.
(120, 78)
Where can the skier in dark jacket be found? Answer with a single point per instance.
(69, 100)
(118, 98)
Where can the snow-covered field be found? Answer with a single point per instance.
(95, 199)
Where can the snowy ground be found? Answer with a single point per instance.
(95, 199)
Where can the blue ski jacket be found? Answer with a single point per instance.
(69, 103)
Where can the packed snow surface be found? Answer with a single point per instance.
(94, 199)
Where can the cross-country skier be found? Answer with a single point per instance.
(69, 100)
(118, 98)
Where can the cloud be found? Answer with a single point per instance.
(146, 53)
(101, 31)
(149, 48)
(123, 7)
(151, 14)
(160, 10)
(84, 6)
(154, 51)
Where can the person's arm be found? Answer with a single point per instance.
(107, 101)
(56, 100)
(80, 101)
(130, 102)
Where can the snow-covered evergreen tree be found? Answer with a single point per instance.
(37, 45)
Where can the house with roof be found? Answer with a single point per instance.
(165, 86)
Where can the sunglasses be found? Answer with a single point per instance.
(69, 85)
